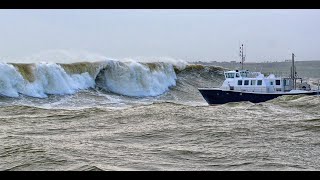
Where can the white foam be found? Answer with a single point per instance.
(54, 80)
(9, 80)
(126, 78)
(60, 56)
(134, 79)
(50, 78)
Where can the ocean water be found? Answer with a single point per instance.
(130, 116)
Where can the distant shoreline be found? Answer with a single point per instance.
(304, 68)
(236, 62)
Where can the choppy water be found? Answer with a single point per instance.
(94, 126)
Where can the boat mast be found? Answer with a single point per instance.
(293, 72)
(242, 56)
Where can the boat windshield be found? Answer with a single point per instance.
(244, 74)
(229, 75)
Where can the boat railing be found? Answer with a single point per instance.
(318, 88)
(252, 89)
(277, 73)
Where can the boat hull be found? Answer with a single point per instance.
(219, 96)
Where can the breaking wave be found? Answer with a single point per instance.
(137, 79)
(129, 78)
(40, 80)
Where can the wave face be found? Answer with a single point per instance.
(11, 81)
(53, 79)
(137, 79)
(129, 78)
(43, 79)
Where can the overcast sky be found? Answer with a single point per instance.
(269, 35)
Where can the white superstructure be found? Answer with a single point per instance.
(244, 80)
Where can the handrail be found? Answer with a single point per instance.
(318, 90)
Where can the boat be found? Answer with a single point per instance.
(255, 87)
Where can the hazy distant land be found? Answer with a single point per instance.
(305, 69)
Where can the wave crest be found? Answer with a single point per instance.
(41, 79)
(129, 78)
(137, 79)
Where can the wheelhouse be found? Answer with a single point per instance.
(245, 80)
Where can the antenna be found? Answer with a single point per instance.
(293, 72)
(242, 56)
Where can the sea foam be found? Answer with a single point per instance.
(129, 78)
(137, 79)
(50, 78)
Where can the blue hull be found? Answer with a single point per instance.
(218, 96)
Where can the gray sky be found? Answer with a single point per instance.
(269, 35)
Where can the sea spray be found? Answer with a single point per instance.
(93, 68)
(178, 64)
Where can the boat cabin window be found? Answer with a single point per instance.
(253, 82)
(246, 82)
(271, 83)
(286, 82)
(277, 82)
(237, 75)
(259, 82)
(239, 82)
(229, 75)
